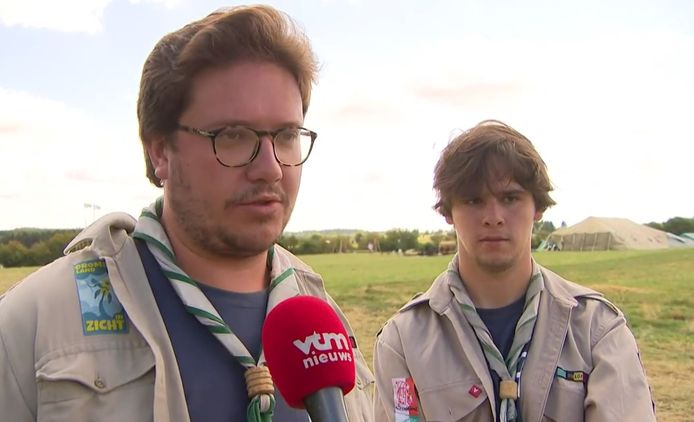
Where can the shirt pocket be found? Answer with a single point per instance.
(565, 401)
(114, 384)
(454, 402)
(358, 402)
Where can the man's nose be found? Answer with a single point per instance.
(493, 213)
(265, 166)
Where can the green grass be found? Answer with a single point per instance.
(9, 276)
(655, 289)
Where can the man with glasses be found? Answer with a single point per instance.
(160, 318)
(497, 337)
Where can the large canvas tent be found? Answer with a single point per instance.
(599, 234)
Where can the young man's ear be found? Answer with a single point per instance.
(538, 215)
(158, 152)
(449, 220)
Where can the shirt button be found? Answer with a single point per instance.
(99, 383)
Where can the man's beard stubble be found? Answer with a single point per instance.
(225, 239)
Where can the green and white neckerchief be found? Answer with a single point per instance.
(283, 285)
(508, 370)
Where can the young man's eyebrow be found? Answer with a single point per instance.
(511, 191)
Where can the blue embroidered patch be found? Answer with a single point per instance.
(102, 313)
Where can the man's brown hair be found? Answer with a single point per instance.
(474, 159)
(240, 33)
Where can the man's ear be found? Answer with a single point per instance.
(538, 215)
(449, 220)
(158, 151)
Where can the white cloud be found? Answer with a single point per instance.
(608, 114)
(169, 4)
(56, 158)
(63, 15)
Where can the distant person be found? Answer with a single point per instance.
(497, 337)
(160, 318)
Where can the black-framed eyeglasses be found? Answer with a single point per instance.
(237, 146)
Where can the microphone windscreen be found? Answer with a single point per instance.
(307, 348)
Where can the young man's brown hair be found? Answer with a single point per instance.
(240, 33)
(489, 151)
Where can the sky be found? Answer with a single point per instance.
(604, 90)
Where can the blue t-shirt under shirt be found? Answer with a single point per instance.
(213, 380)
(244, 313)
(501, 323)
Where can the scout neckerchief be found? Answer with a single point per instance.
(507, 370)
(283, 285)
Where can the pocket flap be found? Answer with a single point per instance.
(98, 370)
(452, 402)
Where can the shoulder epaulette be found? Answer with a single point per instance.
(77, 246)
(410, 304)
(416, 295)
(103, 229)
(601, 298)
(417, 299)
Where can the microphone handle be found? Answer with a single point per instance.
(326, 405)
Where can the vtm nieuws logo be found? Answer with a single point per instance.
(323, 348)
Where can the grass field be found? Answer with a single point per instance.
(654, 289)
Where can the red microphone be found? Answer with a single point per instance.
(310, 357)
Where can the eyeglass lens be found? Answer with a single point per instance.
(237, 145)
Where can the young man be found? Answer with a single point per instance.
(160, 318)
(497, 337)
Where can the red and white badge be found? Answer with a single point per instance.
(405, 399)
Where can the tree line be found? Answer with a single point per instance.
(30, 247)
(396, 240)
(675, 225)
(36, 247)
(33, 247)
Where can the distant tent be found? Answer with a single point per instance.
(598, 234)
(689, 236)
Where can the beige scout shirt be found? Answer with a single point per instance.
(51, 371)
(431, 342)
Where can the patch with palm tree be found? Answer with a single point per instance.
(102, 313)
